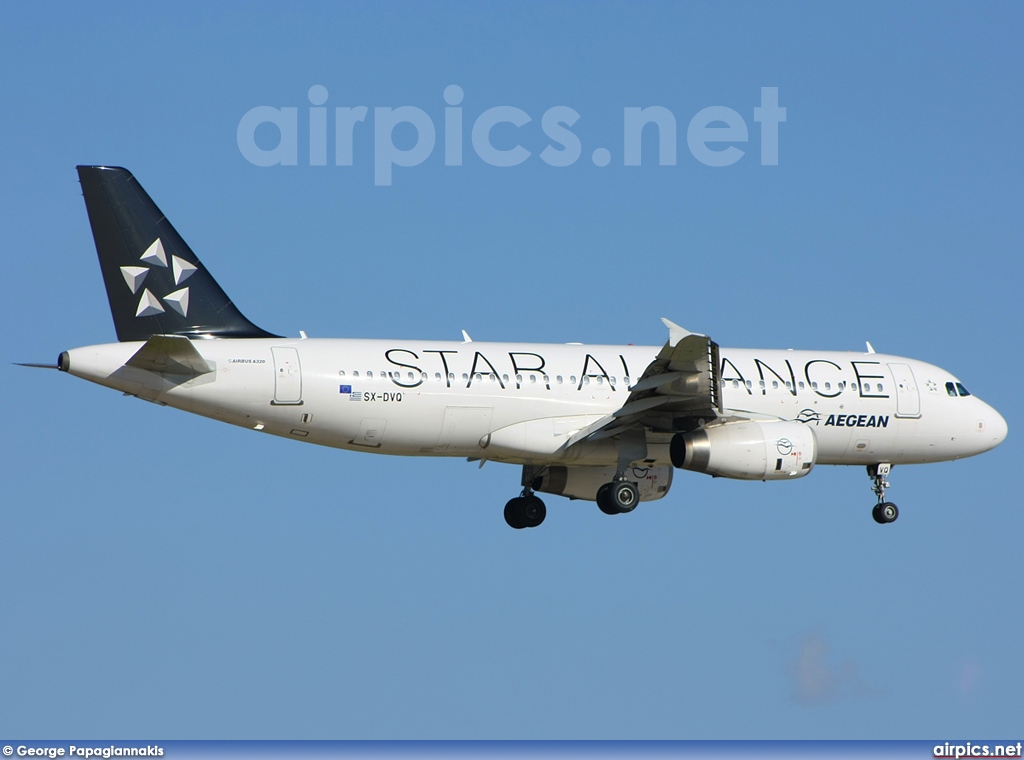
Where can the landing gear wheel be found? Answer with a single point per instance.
(618, 497)
(884, 513)
(514, 513)
(534, 511)
(525, 512)
(624, 495)
(603, 502)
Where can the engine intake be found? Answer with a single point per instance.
(747, 450)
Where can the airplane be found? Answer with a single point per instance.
(603, 423)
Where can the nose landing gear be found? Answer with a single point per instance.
(884, 511)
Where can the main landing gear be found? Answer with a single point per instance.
(526, 511)
(885, 511)
(618, 497)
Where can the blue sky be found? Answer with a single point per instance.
(166, 576)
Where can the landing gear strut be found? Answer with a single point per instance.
(526, 511)
(884, 511)
(621, 495)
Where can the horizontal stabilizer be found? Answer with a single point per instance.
(170, 355)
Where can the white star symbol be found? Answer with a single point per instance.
(149, 304)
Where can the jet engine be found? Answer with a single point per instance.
(582, 482)
(747, 450)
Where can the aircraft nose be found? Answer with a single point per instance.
(993, 427)
(999, 428)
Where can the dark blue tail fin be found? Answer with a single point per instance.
(155, 284)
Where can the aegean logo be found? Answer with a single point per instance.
(716, 136)
(808, 416)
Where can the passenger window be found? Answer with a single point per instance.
(775, 384)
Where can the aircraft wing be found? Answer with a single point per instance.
(683, 382)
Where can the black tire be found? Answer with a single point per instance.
(624, 496)
(534, 511)
(515, 513)
(888, 512)
(604, 502)
(876, 514)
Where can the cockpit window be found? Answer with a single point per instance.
(957, 389)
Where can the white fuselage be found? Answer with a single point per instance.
(521, 403)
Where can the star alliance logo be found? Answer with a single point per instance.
(149, 304)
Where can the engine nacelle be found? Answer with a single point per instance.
(583, 482)
(748, 450)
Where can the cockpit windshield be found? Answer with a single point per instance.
(956, 389)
